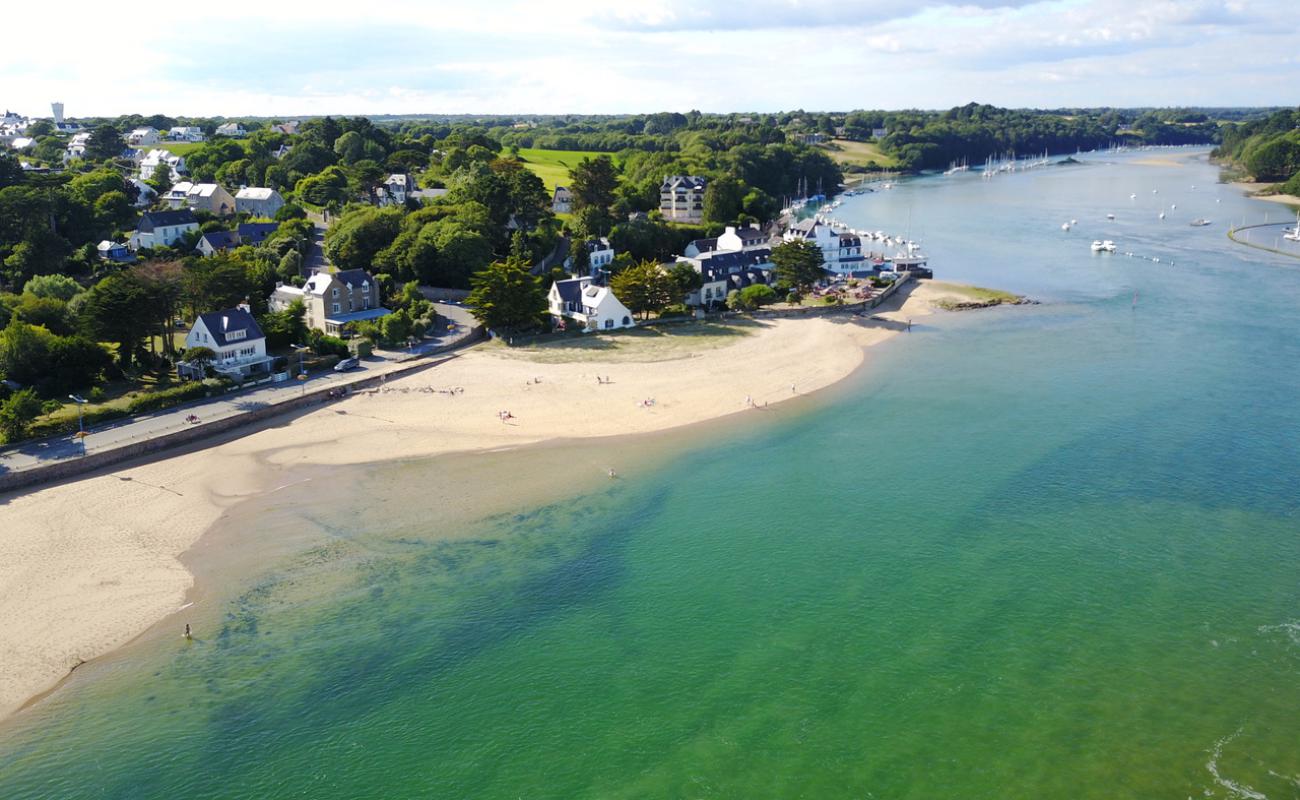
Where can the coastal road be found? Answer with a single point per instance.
(129, 430)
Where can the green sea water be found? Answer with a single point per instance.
(1047, 551)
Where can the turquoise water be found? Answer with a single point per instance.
(1046, 551)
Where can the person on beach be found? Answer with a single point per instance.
(188, 634)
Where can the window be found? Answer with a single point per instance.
(335, 305)
(609, 323)
(336, 294)
(627, 321)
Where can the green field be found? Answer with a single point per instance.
(179, 148)
(844, 151)
(552, 166)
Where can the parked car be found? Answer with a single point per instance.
(347, 364)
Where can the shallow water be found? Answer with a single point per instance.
(1045, 551)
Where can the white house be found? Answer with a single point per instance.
(600, 254)
(176, 196)
(232, 129)
(145, 194)
(76, 147)
(589, 304)
(399, 187)
(162, 228)
(562, 200)
(258, 201)
(237, 340)
(186, 134)
(153, 158)
(214, 242)
(142, 136)
(841, 249)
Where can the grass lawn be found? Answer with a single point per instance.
(857, 153)
(552, 166)
(666, 343)
(177, 148)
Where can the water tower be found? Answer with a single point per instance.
(57, 108)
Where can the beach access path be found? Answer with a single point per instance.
(132, 430)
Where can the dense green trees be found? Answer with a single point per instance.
(1267, 148)
(645, 288)
(506, 298)
(798, 264)
(105, 142)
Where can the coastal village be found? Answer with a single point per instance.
(335, 309)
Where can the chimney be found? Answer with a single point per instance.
(245, 307)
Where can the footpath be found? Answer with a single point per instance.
(56, 458)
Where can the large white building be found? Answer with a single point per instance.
(841, 250)
(185, 133)
(681, 198)
(142, 136)
(258, 201)
(589, 304)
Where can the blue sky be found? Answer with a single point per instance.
(582, 56)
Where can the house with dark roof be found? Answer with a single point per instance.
(214, 242)
(162, 228)
(589, 304)
(236, 339)
(254, 233)
(562, 200)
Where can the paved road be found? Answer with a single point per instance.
(133, 429)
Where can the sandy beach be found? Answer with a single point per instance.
(89, 565)
(1253, 191)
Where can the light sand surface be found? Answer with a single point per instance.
(89, 565)
(1253, 190)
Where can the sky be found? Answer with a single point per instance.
(292, 58)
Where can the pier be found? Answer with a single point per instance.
(1235, 235)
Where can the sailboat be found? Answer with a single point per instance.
(1293, 234)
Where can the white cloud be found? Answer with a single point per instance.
(584, 56)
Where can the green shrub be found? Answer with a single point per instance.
(96, 395)
(365, 349)
(170, 397)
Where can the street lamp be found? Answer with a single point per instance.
(81, 426)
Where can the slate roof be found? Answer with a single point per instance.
(733, 260)
(254, 193)
(221, 240)
(354, 277)
(704, 245)
(570, 290)
(159, 219)
(220, 323)
(683, 183)
(255, 233)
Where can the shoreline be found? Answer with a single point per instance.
(91, 565)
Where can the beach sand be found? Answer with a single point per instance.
(89, 565)
(1253, 190)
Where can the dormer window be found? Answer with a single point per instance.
(234, 336)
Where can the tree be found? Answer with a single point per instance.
(104, 143)
(290, 266)
(59, 287)
(723, 199)
(161, 179)
(118, 309)
(644, 288)
(593, 183)
(22, 407)
(505, 297)
(798, 264)
(353, 241)
(758, 295)
(24, 351)
(685, 278)
(199, 356)
(11, 171)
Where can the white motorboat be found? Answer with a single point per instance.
(1200, 223)
(1110, 216)
(1106, 246)
(1162, 215)
(1065, 226)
